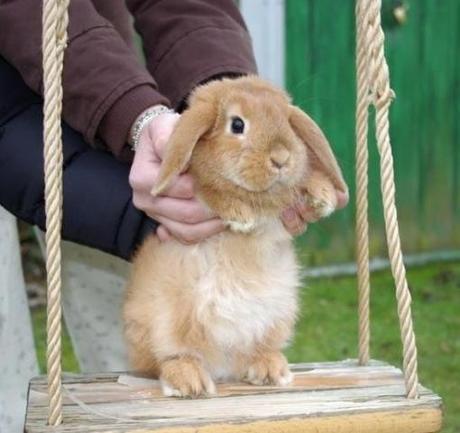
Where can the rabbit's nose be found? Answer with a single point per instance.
(279, 157)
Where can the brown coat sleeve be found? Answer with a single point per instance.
(187, 42)
(102, 79)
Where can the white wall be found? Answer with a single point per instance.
(265, 20)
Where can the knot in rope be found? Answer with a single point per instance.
(382, 99)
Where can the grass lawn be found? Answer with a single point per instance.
(327, 328)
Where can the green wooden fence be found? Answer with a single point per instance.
(424, 59)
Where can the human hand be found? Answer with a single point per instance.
(296, 217)
(180, 214)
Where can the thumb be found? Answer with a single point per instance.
(162, 128)
(163, 234)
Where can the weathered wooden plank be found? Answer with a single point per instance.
(153, 413)
(322, 396)
(417, 421)
(423, 421)
(100, 393)
(309, 403)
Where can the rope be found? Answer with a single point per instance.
(374, 81)
(54, 36)
(362, 225)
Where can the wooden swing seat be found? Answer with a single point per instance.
(337, 397)
(327, 397)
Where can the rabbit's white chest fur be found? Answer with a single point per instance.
(216, 300)
(242, 295)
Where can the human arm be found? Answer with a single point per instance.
(186, 43)
(105, 86)
(189, 42)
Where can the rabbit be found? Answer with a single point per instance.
(223, 309)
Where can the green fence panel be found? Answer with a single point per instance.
(425, 74)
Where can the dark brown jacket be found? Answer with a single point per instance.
(106, 87)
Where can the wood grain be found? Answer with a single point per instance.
(323, 398)
(423, 421)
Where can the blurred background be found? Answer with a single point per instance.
(308, 46)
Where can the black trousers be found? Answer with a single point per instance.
(98, 209)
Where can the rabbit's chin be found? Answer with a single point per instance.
(267, 199)
(246, 211)
(280, 182)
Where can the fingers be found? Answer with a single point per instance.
(182, 187)
(188, 221)
(342, 199)
(296, 217)
(306, 212)
(163, 234)
(179, 210)
(143, 174)
(147, 160)
(189, 211)
(181, 216)
(160, 130)
(293, 222)
(190, 233)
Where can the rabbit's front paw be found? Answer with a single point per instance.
(241, 227)
(185, 377)
(269, 369)
(320, 194)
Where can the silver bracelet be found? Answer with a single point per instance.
(142, 120)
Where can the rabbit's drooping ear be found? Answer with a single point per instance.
(319, 151)
(193, 123)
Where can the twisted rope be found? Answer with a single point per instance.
(362, 225)
(371, 48)
(54, 35)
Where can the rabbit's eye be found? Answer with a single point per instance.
(237, 125)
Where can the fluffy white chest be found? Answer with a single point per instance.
(239, 299)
